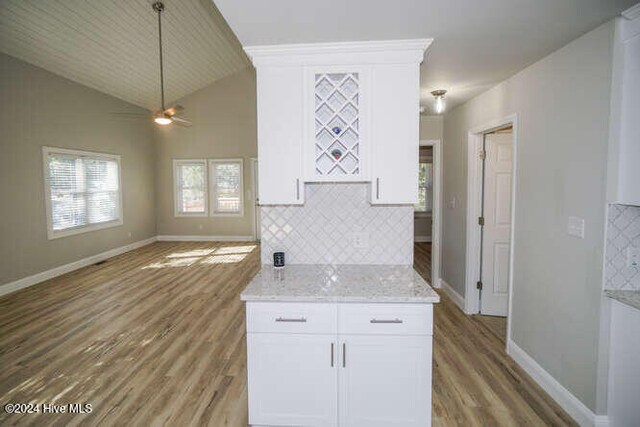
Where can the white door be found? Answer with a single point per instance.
(291, 380)
(385, 381)
(256, 198)
(496, 233)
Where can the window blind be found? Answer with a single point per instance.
(84, 189)
(191, 195)
(227, 186)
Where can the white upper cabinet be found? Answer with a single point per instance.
(624, 149)
(339, 112)
(280, 135)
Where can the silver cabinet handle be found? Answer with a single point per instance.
(386, 321)
(332, 355)
(298, 319)
(344, 354)
(297, 188)
(377, 188)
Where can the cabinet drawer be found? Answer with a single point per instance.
(304, 318)
(386, 319)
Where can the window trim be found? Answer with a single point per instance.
(176, 189)
(212, 193)
(56, 234)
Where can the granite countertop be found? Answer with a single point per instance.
(340, 283)
(631, 298)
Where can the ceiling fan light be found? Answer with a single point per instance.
(439, 104)
(162, 120)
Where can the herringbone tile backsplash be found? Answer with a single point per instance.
(320, 231)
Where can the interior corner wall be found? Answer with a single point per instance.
(39, 108)
(562, 103)
(224, 126)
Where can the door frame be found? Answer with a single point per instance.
(254, 194)
(436, 211)
(474, 194)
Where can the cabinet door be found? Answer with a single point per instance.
(395, 133)
(385, 381)
(280, 134)
(336, 118)
(291, 380)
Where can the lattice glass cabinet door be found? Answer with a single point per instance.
(337, 116)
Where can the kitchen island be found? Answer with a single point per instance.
(345, 345)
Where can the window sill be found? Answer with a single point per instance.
(52, 234)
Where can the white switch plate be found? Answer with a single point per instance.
(633, 256)
(452, 203)
(575, 227)
(360, 240)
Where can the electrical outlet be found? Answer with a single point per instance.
(360, 240)
(575, 227)
(199, 226)
(633, 257)
(452, 203)
(129, 234)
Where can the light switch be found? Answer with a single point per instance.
(575, 227)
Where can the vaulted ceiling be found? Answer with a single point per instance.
(112, 45)
(477, 43)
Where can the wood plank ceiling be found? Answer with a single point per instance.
(112, 45)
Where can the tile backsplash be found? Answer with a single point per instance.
(321, 231)
(623, 231)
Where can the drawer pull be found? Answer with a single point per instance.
(386, 321)
(332, 355)
(298, 320)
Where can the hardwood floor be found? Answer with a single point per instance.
(157, 336)
(422, 259)
(497, 325)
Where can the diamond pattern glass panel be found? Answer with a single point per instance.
(336, 123)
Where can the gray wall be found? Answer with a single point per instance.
(224, 126)
(39, 108)
(563, 107)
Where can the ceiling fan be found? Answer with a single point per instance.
(165, 116)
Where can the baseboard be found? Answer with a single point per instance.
(422, 239)
(455, 296)
(571, 404)
(167, 238)
(25, 282)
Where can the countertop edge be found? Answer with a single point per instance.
(366, 300)
(624, 297)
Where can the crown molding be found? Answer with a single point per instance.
(412, 49)
(632, 13)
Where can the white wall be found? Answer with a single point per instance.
(563, 106)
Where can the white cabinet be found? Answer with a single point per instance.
(280, 135)
(395, 112)
(292, 380)
(348, 365)
(339, 112)
(385, 381)
(624, 370)
(624, 148)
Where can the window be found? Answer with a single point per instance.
(425, 187)
(82, 191)
(226, 187)
(190, 193)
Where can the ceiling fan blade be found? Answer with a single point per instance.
(180, 121)
(174, 110)
(130, 115)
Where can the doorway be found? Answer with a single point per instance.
(490, 213)
(427, 215)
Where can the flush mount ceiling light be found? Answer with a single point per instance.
(440, 104)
